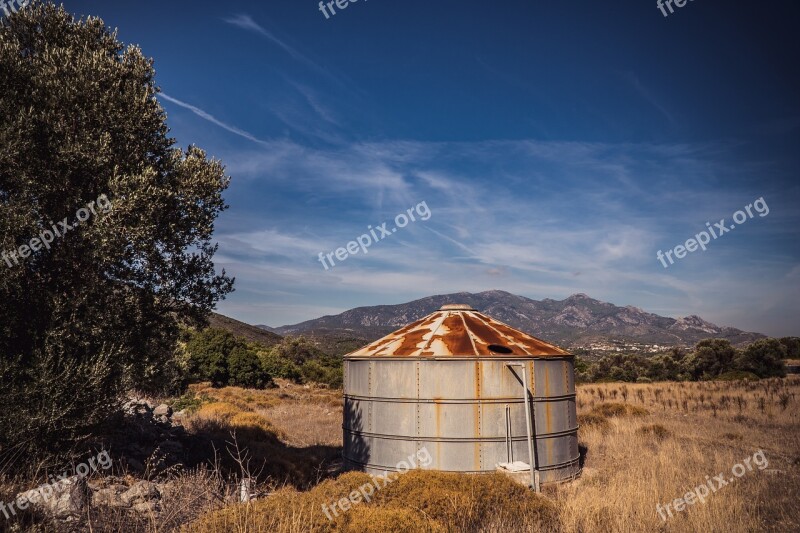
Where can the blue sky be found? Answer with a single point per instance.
(558, 145)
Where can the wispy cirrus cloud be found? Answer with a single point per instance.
(522, 216)
(246, 22)
(648, 96)
(210, 118)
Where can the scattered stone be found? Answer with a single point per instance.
(142, 491)
(62, 499)
(163, 410)
(178, 416)
(111, 496)
(147, 507)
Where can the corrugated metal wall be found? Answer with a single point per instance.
(456, 408)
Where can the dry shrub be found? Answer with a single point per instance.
(268, 456)
(610, 410)
(184, 499)
(306, 415)
(286, 510)
(655, 430)
(415, 501)
(218, 410)
(594, 421)
(465, 501)
(251, 426)
(371, 519)
(732, 436)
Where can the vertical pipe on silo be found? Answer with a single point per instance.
(534, 468)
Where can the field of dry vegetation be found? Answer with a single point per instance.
(643, 445)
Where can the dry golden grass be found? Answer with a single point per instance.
(278, 450)
(645, 444)
(304, 415)
(416, 501)
(694, 430)
(610, 410)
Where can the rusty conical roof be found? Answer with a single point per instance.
(458, 330)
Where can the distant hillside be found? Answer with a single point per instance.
(574, 321)
(246, 331)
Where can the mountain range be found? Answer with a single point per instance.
(573, 322)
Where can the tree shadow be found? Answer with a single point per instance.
(356, 451)
(151, 449)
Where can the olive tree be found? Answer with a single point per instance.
(95, 311)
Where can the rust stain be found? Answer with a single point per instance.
(547, 382)
(438, 409)
(457, 342)
(548, 417)
(458, 331)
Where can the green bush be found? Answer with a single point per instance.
(315, 371)
(711, 357)
(792, 345)
(763, 358)
(245, 370)
(190, 402)
(737, 375)
(208, 355)
(279, 367)
(216, 355)
(298, 359)
(298, 350)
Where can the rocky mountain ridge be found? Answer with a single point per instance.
(578, 320)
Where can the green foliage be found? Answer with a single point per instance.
(298, 359)
(298, 350)
(581, 367)
(279, 367)
(245, 370)
(323, 372)
(190, 402)
(792, 345)
(737, 375)
(763, 358)
(216, 355)
(710, 359)
(208, 355)
(618, 367)
(95, 313)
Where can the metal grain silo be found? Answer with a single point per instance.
(452, 383)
